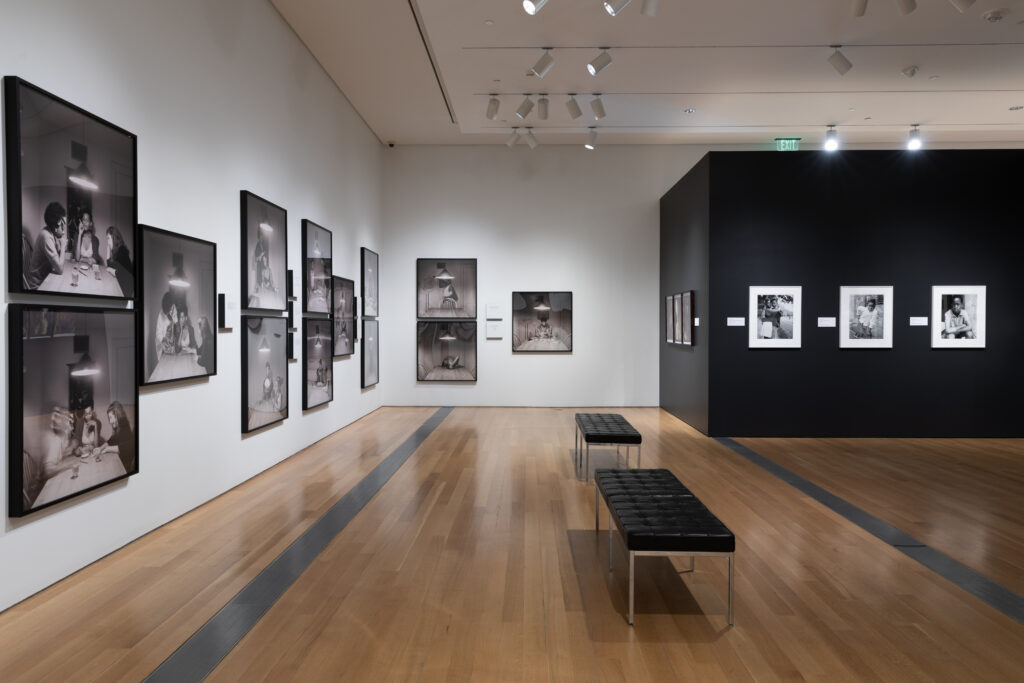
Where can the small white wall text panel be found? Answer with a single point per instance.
(493, 330)
(919, 321)
(826, 322)
(736, 322)
(696, 322)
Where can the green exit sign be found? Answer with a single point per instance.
(787, 144)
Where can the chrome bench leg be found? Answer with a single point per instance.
(586, 472)
(609, 538)
(632, 586)
(597, 510)
(730, 589)
(638, 456)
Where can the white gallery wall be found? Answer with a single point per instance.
(223, 97)
(558, 218)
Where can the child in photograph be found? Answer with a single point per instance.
(957, 323)
(869, 321)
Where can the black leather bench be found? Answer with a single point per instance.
(604, 429)
(657, 515)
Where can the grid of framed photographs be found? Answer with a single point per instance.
(679, 318)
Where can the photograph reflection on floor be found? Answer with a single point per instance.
(446, 352)
(542, 321)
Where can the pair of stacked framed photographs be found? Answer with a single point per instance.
(679, 318)
(369, 373)
(446, 328)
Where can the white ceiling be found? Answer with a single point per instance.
(752, 70)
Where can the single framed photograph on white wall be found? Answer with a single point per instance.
(775, 318)
(958, 317)
(865, 315)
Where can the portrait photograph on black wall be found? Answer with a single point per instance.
(370, 264)
(318, 381)
(774, 321)
(264, 253)
(958, 316)
(264, 371)
(865, 317)
(541, 321)
(446, 351)
(446, 288)
(344, 316)
(316, 268)
(370, 370)
(74, 419)
(72, 202)
(669, 320)
(178, 295)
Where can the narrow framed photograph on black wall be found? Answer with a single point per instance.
(446, 288)
(318, 364)
(687, 310)
(446, 351)
(264, 254)
(370, 373)
(72, 197)
(541, 322)
(316, 268)
(677, 318)
(73, 403)
(669, 321)
(264, 371)
(370, 263)
(178, 297)
(344, 316)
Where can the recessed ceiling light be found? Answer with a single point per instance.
(689, 110)
(867, 118)
(994, 16)
(851, 109)
(933, 78)
(488, 22)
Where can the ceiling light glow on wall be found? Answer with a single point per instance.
(534, 6)
(599, 63)
(914, 140)
(962, 5)
(492, 108)
(573, 107)
(839, 61)
(906, 6)
(525, 108)
(513, 138)
(831, 139)
(860, 7)
(544, 64)
(650, 8)
(591, 142)
(542, 108)
(530, 139)
(616, 6)
(597, 106)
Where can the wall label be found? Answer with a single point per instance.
(919, 321)
(696, 322)
(736, 322)
(826, 322)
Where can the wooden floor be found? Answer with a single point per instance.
(478, 561)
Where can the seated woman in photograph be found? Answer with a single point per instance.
(120, 261)
(167, 332)
(122, 440)
(87, 248)
(91, 432)
(205, 356)
(58, 446)
(279, 397)
(186, 333)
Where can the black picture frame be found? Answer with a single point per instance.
(542, 322)
(446, 288)
(188, 265)
(689, 338)
(369, 264)
(39, 126)
(446, 360)
(669, 320)
(317, 362)
(264, 265)
(316, 268)
(343, 316)
(264, 347)
(369, 374)
(55, 354)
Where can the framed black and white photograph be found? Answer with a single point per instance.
(865, 315)
(344, 316)
(72, 200)
(370, 264)
(446, 351)
(687, 311)
(73, 403)
(677, 318)
(178, 296)
(669, 320)
(318, 361)
(541, 321)
(775, 318)
(446, 288)
(958, 317)
(370, 372)
(264, 371)
(316, 268)
(265, 279)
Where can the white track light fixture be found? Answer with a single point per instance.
(599, 63)
(573, 107)
(831, 139)
(616, 6)
(860, 7)
(492, 108)
(597, 106)
(962, 5)
(650, 8)
(525, 108)
(544, 64)
(531, 141)
(542, 107)
(513, 138)
(591, 142)
(906, 6)
(914, 141)
(839, 61)
(534, 6)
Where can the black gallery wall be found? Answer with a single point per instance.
(910, 220)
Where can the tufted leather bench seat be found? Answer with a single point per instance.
(657, 515)
(604, 429)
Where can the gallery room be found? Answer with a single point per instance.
(503, 340)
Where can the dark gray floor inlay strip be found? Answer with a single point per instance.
(200, 654)
(1003, 599)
